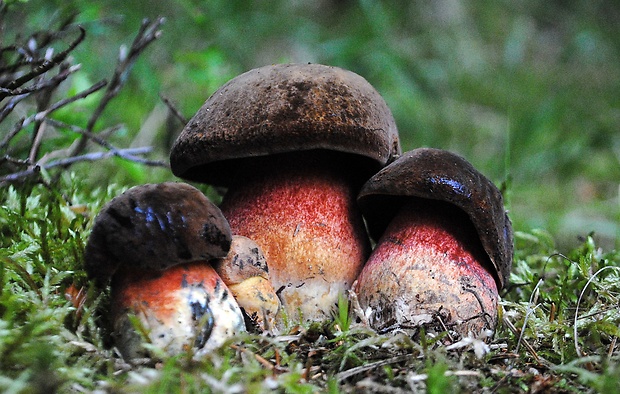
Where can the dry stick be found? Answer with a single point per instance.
(46, 65)
(527, 345)
(8, 107)
(43, 98)
(35, 87)
(577, 348)
(612, 346)
(148, 33)
(363, 368)
(39, 130)
(262, 360)
(123, 153)
(41, 115)
(177, 114)
(100, 141)
(423, 376)
(19, 125)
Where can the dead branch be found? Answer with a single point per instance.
(23, 123)
(177, 114)
(18, 85)
(102, 142)
(43, 67)
(147, 34)
(128, 154)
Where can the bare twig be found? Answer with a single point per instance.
(100, 141)
(41, 60)
(363, 368)
(45, 66)
(94, 156)
(148, 33)
(43, 84)
(8, 107)
(525, 343)
(41, 115)
(177, 114)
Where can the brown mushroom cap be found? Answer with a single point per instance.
(280, 109)
(440, 175)
(153, 227)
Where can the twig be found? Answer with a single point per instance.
(363, 368)
(177, 114)
(100, 141)
(41, 115)
(422, 376)
(262, 360)
(55, 80)
(148, 33)
(527, 345)
(123, 153)
(45, 66)
(8, 107)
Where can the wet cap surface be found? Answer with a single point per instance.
(284, 108)
(440, 175)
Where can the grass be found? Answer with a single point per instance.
(528, 93)
(51, 338)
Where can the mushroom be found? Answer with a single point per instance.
(153, 243)
(293, 144)
(444, 244)
(245, 272)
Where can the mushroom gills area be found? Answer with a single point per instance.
(185, 307)
(301, 211)
(429, 267)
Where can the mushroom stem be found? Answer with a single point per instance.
(300, 209)
(186, 306)
(429, 263)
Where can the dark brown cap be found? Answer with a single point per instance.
(153, 227)
(280, 109)
(440, 175)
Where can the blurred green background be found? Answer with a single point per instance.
(528, 91)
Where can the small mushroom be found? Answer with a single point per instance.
(293, 144)
(154, 243)
(245, 272)
(444, 244)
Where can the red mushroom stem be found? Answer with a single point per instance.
(300, 209)
(186, 306)
(431, 258)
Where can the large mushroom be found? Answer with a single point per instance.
(444, 244)
(154, 243)
(293, 144)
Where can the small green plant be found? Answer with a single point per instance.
(342, 316)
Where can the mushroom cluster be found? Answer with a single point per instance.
(293, 144)
(310, 161)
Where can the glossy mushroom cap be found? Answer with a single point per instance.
(281, 109)
(149, 228)
(436, 174)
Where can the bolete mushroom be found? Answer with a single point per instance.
(154, 243)
(444, 244)
(293, 144)
(246, 273)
